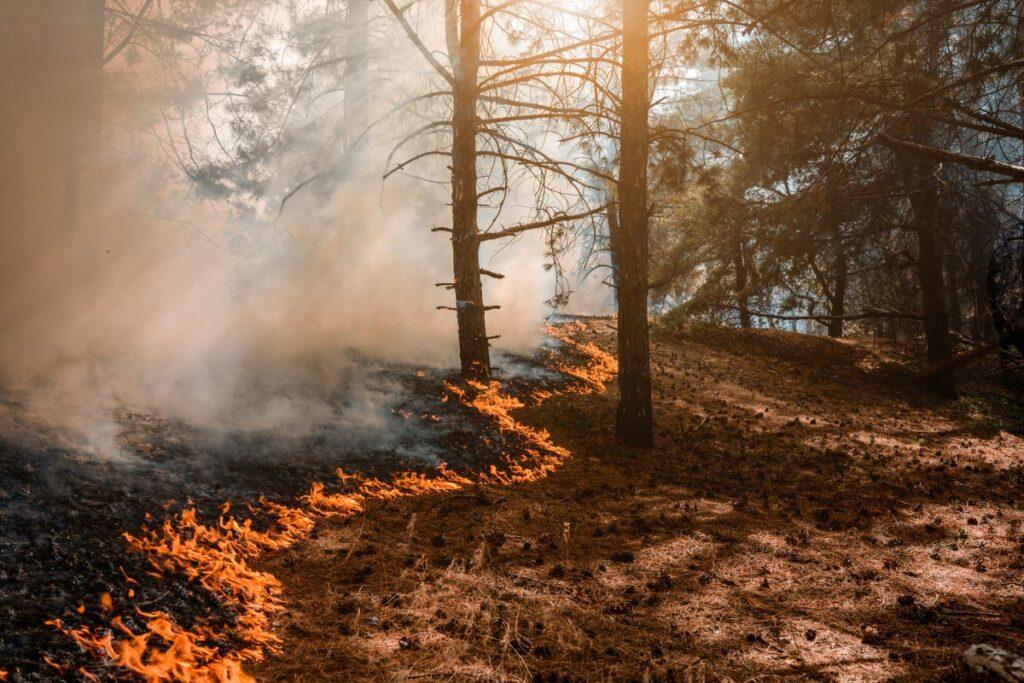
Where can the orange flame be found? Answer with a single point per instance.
(218, 556)
(600, 368)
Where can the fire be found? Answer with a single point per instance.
(600, 369)
(219, 555)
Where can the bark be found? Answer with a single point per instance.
(1018, 50)
(953, 283)
(634, 424)
(462, 31)
(917, 170)
(982, 326)
(837, 302)
(840, 269)
(613, 247)
(919, 181)
(739, 262)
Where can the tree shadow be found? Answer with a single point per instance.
(895, 516)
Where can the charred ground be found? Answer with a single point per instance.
(809, 512)
(63, 512)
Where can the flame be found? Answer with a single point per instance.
(600, 368)
(219, 555)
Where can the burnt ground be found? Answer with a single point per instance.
(808, 513)
(63, 510)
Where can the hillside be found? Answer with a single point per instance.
(808, 513)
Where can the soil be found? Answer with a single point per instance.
(808, 512)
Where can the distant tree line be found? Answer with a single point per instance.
(868, 172)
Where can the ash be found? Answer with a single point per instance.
(64, 506)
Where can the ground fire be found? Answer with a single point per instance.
(219, 556)
(511, 340)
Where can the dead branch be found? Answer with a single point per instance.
(866, 315)
(414, 38)
(559, 218)
(977, 163)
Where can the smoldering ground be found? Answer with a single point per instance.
(163, 300)
(178, 372)
(168, 348)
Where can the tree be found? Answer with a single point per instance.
(462, 34)
(634, 419)
(869, 139)
(486, 112)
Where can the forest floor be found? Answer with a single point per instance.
(808, 513)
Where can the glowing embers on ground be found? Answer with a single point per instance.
(218, 555)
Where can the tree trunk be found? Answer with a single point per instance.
(936, 320)
(841, 270)
(22, 176)
(919, 181)
(918, 177)
(463, 34)
(952, 277)
(739, 262)
(613, 247)
(634, 424)
(982, 326)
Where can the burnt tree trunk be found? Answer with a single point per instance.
(462, 31)
(634, 424)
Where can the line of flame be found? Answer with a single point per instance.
(219, 556)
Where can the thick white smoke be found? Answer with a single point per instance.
(164, 303)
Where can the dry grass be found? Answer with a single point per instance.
(807, 514)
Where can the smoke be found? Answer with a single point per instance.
(163, 301)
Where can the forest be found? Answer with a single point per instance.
(511, 340)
